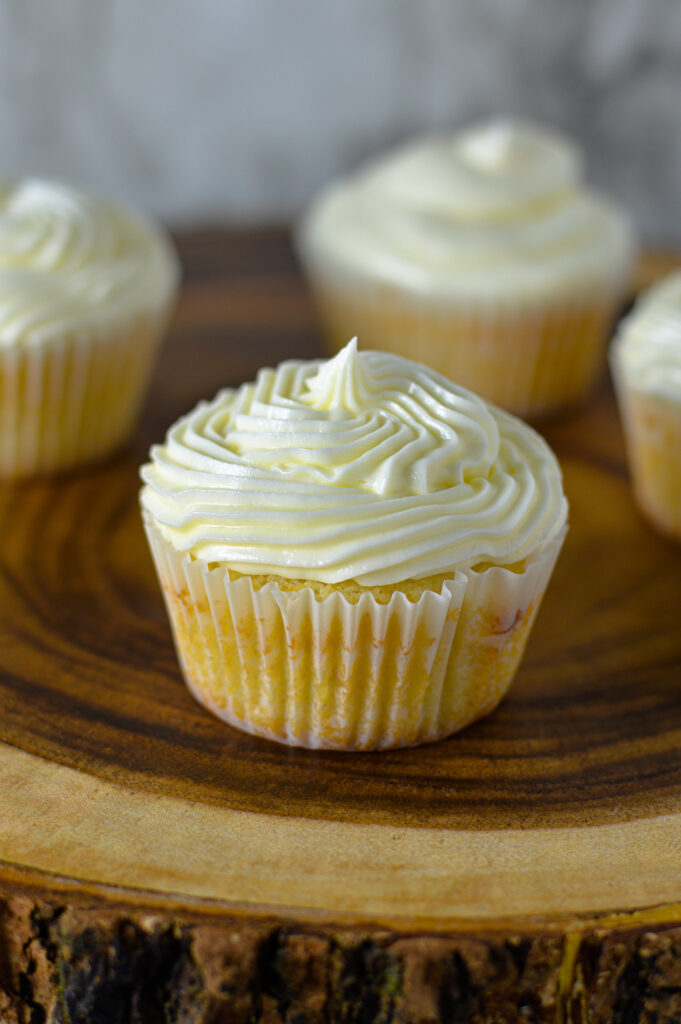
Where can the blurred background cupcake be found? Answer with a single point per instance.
(198, 133)
(85, 294)
(646, 364)
(481, 253)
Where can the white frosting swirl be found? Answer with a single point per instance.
(366, 467)
(71, 263)
(497, 211)
(648, 344)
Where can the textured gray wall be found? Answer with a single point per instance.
(237, 110)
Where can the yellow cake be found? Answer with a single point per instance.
(85, 294)
(646, 364)
(352, 552)
(482, 254)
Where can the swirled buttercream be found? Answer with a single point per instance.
(366, 467)
(71, 263)
(648, 344)
(497, 211)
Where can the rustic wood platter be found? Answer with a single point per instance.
(156, 865)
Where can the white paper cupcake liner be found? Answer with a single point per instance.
(532, 359)
(652, 430)
(328, 673)
(73, 400)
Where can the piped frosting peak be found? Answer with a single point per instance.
(339, 384)
(366, 467)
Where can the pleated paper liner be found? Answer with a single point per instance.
(328, 673)
(532, 360)
(73, 400)
(652, 430)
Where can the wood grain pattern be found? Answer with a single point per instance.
(500, 875)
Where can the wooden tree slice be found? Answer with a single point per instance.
(156, 865)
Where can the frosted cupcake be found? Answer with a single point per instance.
(352, 552)
(482, 254)
(646, 364)
(85, 293)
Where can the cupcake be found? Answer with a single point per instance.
(352, 552)
(482, 254)
(646, 365)
(85, 294)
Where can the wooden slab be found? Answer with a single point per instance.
(156, 861)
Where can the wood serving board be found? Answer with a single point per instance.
(157, 865)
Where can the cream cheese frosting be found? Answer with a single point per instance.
(366, 466)
(648, 344)
(499, 210)
(72, 263)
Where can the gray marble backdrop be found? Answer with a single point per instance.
(235, 111)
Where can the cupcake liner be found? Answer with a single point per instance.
(74, 400)
(531, 359)
(328, 673)
(652, 430)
